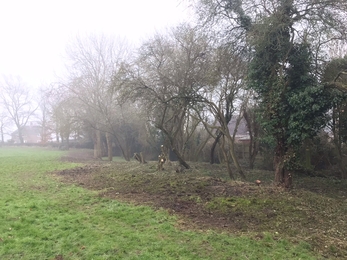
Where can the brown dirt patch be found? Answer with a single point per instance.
(203, 198)
(188, 203)
(184, 194)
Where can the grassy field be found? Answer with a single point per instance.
(43, 218)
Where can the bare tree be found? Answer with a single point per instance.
(223, 99)
(18, 102)
(335, 75)
(253, 127)
(94, 63)
(170, 70)
(44, 113)
(64, 110)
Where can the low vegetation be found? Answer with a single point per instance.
(65, 209)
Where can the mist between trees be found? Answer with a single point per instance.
(276, 67)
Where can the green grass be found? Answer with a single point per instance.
(42, 218)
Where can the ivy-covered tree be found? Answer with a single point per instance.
(293, 106)
(293, 103)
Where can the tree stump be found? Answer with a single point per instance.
(139, 157)
(162, 158)
(161, 161)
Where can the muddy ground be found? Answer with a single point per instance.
(205, 198)
(182, 193)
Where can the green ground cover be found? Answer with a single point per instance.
(43, 218)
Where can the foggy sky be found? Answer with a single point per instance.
(34, 33)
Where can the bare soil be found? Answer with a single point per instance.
(204, 198)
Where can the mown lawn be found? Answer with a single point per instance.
(42, 218)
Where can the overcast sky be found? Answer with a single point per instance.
(34, 33)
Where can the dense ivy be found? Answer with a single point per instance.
(293, 103)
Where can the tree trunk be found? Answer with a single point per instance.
(180, 159)
(338, 146)
(142, 158)
(139, 157)
(253, 151)
(278, 165)
(253, 130)
(97, 145)
(20, 136)
(109, 146)
(2, 135)
(213, 148)
(67, 146)
(57, 137)
(126, 154)
(171, 138)
(251, 155)
(234, 158)
(340, 161)
(282, 176)
(200, 148)
(227, 160)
